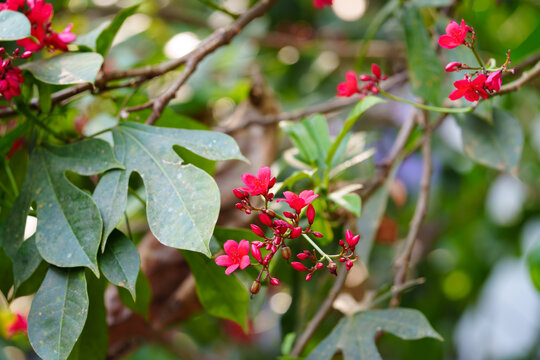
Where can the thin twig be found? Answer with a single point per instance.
(403, 260)
(526, 77)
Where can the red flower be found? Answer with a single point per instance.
(493, 81)
(455, 35)
(351, 239)
(453, 66)
(18, 325)
(40, 12)
(13, 5)
(282, 226)
(298, 202)
(260, 184)
(319, 4)
(470, 89)
(237, 256)
(350, 86)
(10, 80)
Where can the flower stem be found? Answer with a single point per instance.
(427, 107)
(317, 247)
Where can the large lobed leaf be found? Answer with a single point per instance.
(58, 313)
(182, 200)
(355, 336)
(69, 225)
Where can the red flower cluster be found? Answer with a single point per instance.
(11, 76)
(39, 13)
(319, 4)
(18, 325)
(350, 86)
(483, 81)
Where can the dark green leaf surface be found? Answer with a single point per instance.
(13, 25)
(26, 261)
(355, 336)
(6, 273)
(58, 313)
(68, 68)
(182, 200)
(497, 143)
(69, 226)
(425, 70)
(221, 295)
(143, 293)
(120, 262)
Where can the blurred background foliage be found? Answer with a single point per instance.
(481, 222)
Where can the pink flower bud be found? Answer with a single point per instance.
(239, 206)
(351, 239)
(319, 266)
(16, 52)
(317, 234)
(272, 182)
(273, 249)
(248, 211)
(296, 232)
(374, 89)
(364, 77)
(239, 194)
(265, 219)
(288, 214)
(302, 256)
(349, 265)
(267, 259)
(26, 54)
(256, 252)
(341, 243)
(258, 244)
(277, 241)
(308, 276)
(376, 70)
(298, 266)
(310, 213)
(342, 259)
(270, 196)
(274, 281)
(453, 66)
(257, 230)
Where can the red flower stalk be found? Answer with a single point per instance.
(455, 35)
(471, 89)
(260, 184)
(298, 202)
(237, 256)
(17, 326)
(298, 266)
(493, 82)
(319, 4)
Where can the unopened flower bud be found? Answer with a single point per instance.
(298, 266)
(317, 234)
(364, 77)
(288, 214)
(453, 66)
(286, 252)
(268, 246)
(277, 240)
(308, 276)
(342, 259)
(256, 252)
(258, 244)
(257, 230)
(255, 287)
(273, 249)
(310, 213)
(274, 281)
(265, 219)
(332, 267)
(302, 256)
(376, 70)
(272, 182)
(16, 52)
(349, 265)
(270, 196)
(374, 89)
(267, 259)
(296, 232)
(239, 206)
(239, 194)
(26, 54)
(341, 243)
(351, 239)
(2, 50)
(319, 266)
(248, 211)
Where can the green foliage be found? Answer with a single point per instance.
(143, 294)
(26, 261)
(69, 68)
(533, 261)
(221, 295)
(69, 224)
(58, 313)
(14, 25)
(355, 336)
(120, 262)
(184, 193)
(496, 142)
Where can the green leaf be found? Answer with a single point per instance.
(120, 262)
(13, 25)
(6, 273)
(533, 261)
(425, 70)
(431, 3)
(321, 223)
(45, 101)
(372, 213)
(347, 199)
(89, 39)
(143, 293)
(355, 336)
(58, 313)
(221, 295)
(68, 68)
(302, 140)
(26, 261)
(105, 39)
(496, 143)
(69, 226)
(6, 141)
(182, 200)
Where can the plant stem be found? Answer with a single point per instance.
(11, 178)
(478, 58)
(317, 247)
(427, 107)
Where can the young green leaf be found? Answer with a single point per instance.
(14, 25)
(355, 336)
(58, 313)
(105, 39)
(182, 200)
(497, 143)
(221, 295)
(120, 262)
(68, 68)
